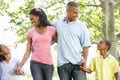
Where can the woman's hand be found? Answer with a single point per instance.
(18, 71)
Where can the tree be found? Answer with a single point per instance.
(102, 17)
(108, 8)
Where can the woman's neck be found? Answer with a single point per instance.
(41, 30)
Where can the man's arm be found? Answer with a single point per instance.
(85, 53)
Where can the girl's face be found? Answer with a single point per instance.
(4, 50)
(34, 20)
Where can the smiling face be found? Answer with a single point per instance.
(72, 13)
(34, 20)
(102, 46)
(4, 50)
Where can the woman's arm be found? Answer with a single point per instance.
(25, 57)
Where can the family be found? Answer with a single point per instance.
(72, 38)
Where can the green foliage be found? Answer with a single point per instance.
(3, 7)
(93, 16)
(90, 12)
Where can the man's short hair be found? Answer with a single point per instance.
(71, 4)
(108, 43)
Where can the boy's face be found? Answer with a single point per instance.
(102, 46)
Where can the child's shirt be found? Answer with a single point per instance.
(7, 70)
(104, 68)
(41, 44)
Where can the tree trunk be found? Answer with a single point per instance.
(109, 25)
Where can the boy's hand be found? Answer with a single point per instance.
(84, 69)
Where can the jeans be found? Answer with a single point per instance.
(71, 72)
(41, 71)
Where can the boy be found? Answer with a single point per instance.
(105, 66)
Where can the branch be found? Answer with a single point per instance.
(117, 3)
(89, 20)
(118, 36)
(93, 5)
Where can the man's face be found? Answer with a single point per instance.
(72, 13)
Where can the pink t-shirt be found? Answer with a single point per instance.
(41, 45)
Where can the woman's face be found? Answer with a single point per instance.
(4, 50)
(34, 20)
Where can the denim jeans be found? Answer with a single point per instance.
(71, 72)
(41, 71)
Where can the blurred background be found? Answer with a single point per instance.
(101, 16)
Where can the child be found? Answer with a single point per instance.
(105, 66)
(7, 64)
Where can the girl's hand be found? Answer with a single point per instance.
(17, 71)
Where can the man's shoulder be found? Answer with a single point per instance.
(81, 22)
(60, 20)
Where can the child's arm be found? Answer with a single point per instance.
(117, 76)
(86, 70)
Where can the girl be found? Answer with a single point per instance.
(7, 64)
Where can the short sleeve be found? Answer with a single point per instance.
(53, 30)
(117, 67)
(84, 40)
(29, 33)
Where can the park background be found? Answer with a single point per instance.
(101, 16)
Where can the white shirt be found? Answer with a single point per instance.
(7, 70)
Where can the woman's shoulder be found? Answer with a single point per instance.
(31, 30)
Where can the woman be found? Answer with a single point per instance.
(39, 41)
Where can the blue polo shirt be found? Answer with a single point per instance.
(72, 37)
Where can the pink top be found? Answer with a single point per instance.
(41, 45)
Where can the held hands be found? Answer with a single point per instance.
(18, 71)
(83, 65)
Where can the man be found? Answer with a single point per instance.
(73, 43)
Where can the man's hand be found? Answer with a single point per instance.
(83, 64)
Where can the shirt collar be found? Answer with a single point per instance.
(64, 20)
